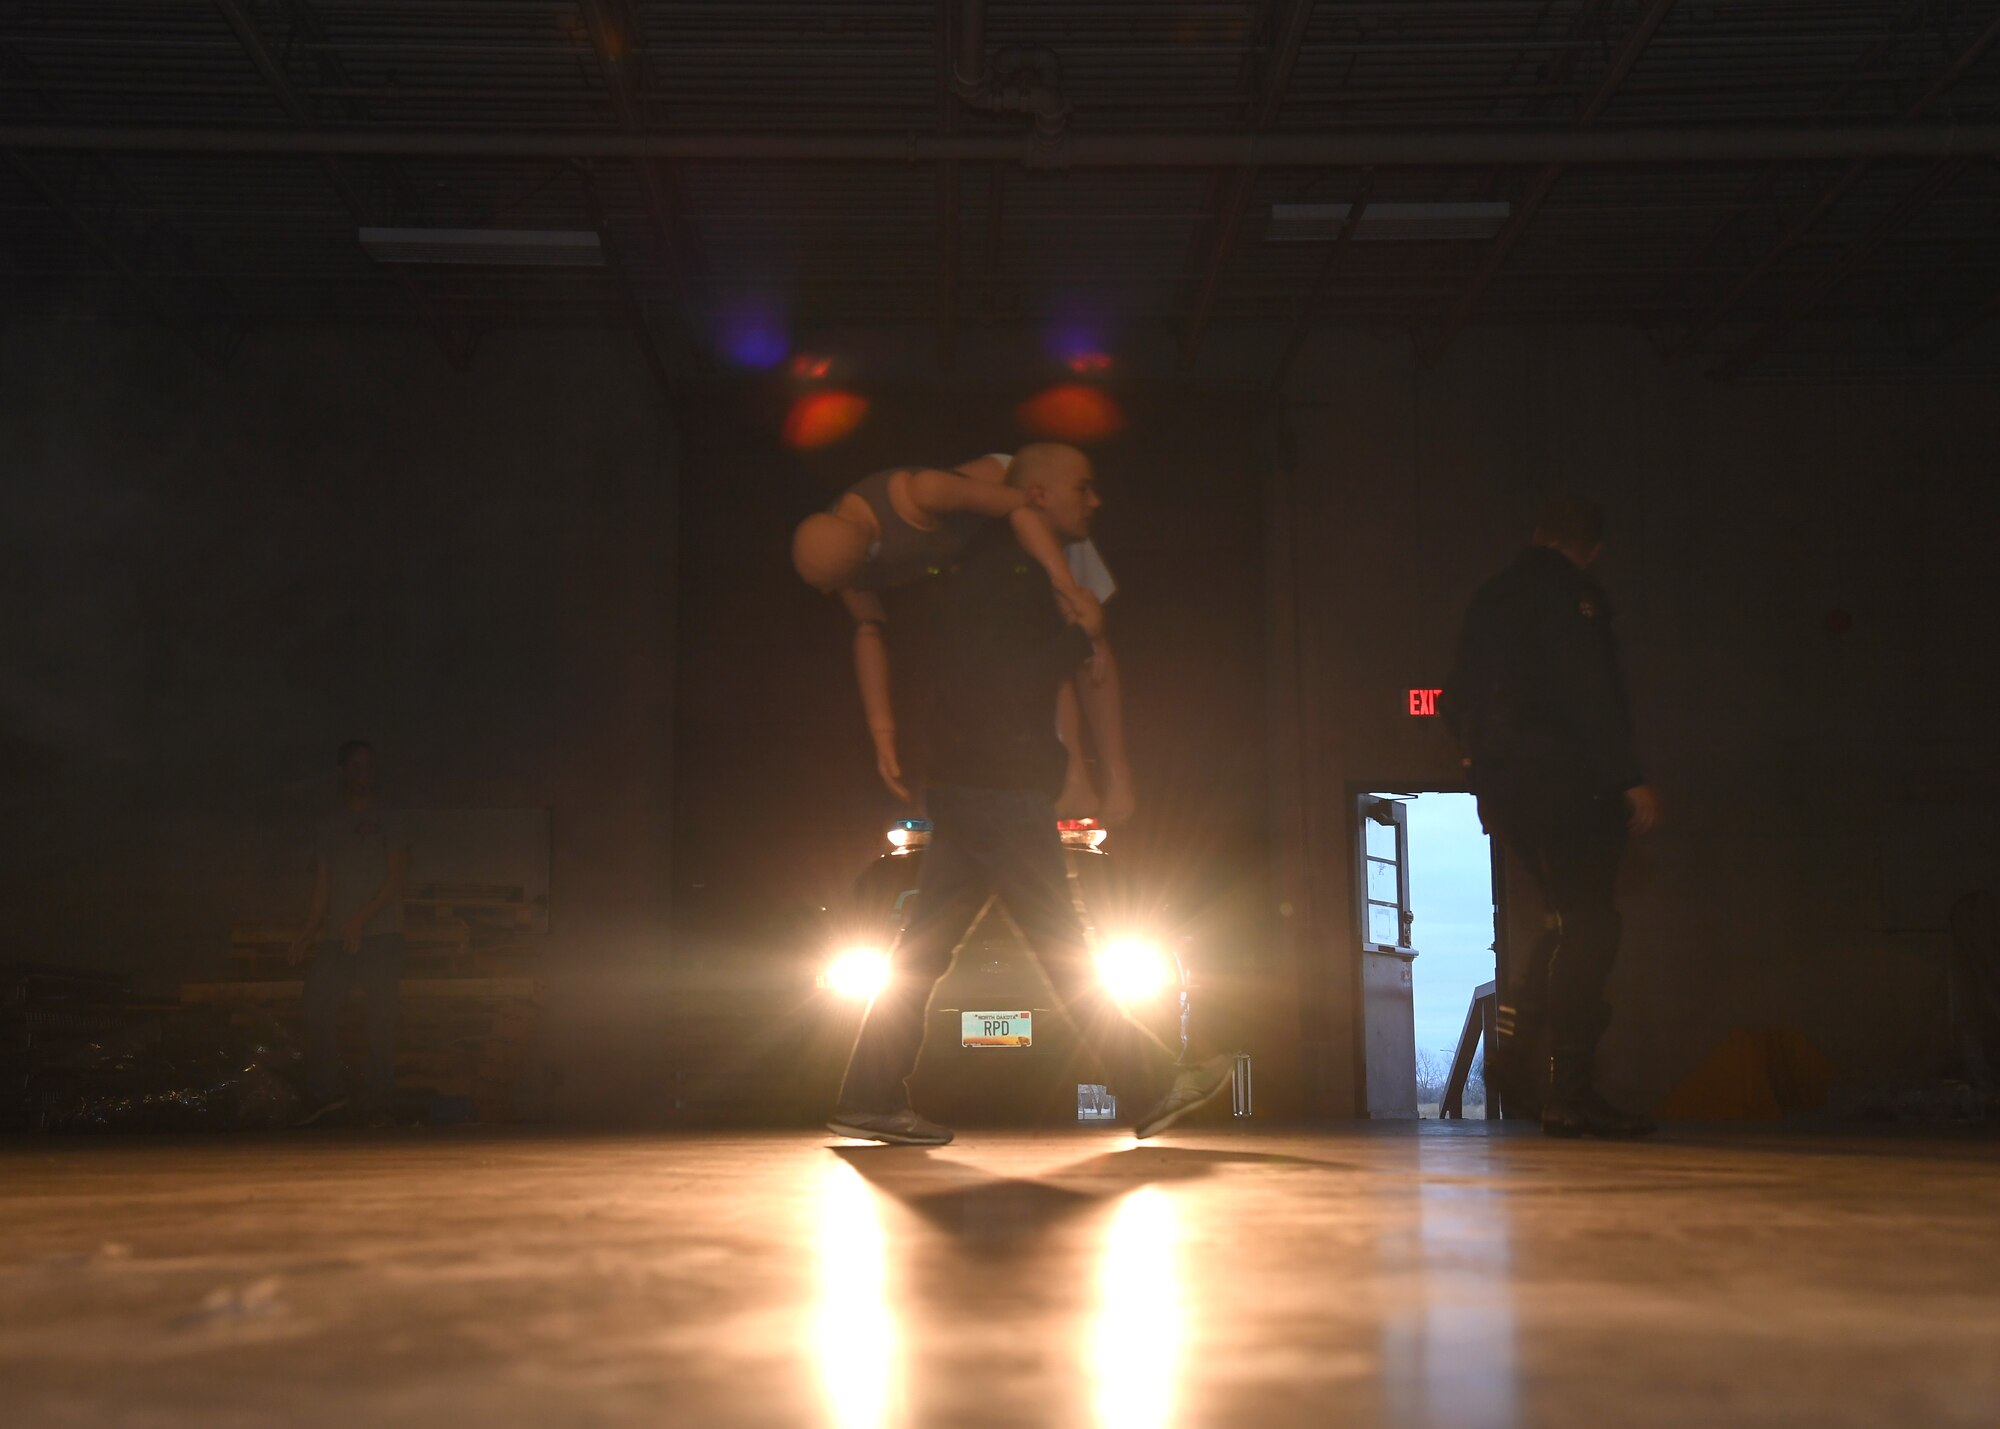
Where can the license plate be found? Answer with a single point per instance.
(997, 1029)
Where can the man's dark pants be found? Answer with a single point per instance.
(376, 967)
(1571, 841)
(986, 842)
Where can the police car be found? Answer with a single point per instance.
(997, 1047)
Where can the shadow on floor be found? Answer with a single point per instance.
(975, 1205)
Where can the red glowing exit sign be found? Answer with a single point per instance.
(1424, 702)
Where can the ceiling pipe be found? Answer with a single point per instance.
(1358, 148)
(968, 53)
(1019, 81)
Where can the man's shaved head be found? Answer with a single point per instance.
(1060, 485)
(1573, 526)
(1039, 463)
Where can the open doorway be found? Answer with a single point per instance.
(1428, 940)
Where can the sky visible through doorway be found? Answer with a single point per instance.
(1451, 895)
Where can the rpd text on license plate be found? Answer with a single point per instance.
(997, 1029)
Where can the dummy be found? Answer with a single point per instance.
(897, 526)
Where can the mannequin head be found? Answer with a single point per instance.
(829, 551)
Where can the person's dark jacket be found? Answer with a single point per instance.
(1536, 689)
(1002, 650)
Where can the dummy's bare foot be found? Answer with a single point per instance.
(1120, 800)
(1078, 799)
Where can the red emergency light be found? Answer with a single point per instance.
(1424, 702)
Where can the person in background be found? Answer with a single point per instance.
(354, 936)
(1536, 700)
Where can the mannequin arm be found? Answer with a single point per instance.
(871, 673)
(1104, 713)
(937, 493)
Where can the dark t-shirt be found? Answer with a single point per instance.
(1536, 688)
(355, 845)
(903, 553)
(1001, 651)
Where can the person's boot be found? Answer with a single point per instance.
(1576, 1108)
(1517, 1063)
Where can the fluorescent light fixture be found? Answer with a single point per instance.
(1397, 222)
(508, 247)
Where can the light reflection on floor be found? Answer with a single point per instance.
(856, 1343)
(1140, 1330)
(1399, 1276)
(1448, 1357)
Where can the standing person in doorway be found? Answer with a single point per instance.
(996, 769)
(354, 936)
(1537, 701)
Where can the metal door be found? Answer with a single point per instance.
(1388, 1004)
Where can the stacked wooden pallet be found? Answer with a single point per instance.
(464, 1038)
(262, 952)
(477, 929)
(469, 1006)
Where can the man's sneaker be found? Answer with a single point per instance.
(1195, 1086)
(898, 1128)
(322, 1111)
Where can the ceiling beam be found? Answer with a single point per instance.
(1850, 261)
(1292, 20)
(1762, 190)
(117, 223)
(1356, 148)
(1302, 321)
(1971, 323)
(634, 309)
(959, 26)
(350, 99)
(1834, 192)
(1545, 182)
(611, 35)
(213, 342)
(453, 341)
(1554, 80)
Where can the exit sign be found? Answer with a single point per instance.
(1424, 702)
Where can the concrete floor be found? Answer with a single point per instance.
(1396, 1275)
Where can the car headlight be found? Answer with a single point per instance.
(856, 973)
(1135, 969)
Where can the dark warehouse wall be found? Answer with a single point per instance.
(1804, 578)
(214, 577)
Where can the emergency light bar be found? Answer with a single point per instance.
(913, 835)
